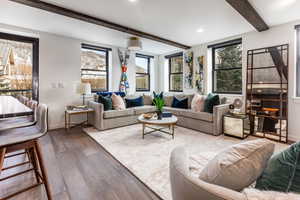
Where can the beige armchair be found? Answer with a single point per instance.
(186, 187)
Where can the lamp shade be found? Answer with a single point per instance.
(83, 89)
(134, 44)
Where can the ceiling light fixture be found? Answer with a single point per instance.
(132, 1)
(134, 44)
(200, 30)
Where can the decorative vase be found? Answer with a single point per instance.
(159, 115)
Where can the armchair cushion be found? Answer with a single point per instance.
(238, 166)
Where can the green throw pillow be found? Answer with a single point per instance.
(106, 101)
(211, 101)
(283, 172)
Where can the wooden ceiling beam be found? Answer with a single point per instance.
(249, 13)
(93, 20)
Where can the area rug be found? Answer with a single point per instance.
(148, 159)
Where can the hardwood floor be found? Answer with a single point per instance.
(78, 169)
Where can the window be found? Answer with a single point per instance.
(142, 75)
(94, 66)
(175, 72)
(227, 67)
(298, 61)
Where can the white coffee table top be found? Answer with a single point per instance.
(154, 121)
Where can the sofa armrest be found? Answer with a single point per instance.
(218, 113)
(96, 118)
(185, 186)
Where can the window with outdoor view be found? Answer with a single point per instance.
(175, 72)
(142, 75)
(227, 67)
(94, 66)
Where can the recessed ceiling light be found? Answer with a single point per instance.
(200, 30)
(132, 1)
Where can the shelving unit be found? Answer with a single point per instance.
(267, 92)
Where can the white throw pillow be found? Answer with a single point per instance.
(238, 166)
(198, 103)
(118, 102)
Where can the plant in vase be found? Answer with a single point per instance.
(159, 104)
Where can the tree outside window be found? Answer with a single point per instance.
(227, 68)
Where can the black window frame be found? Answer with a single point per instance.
(145, 74)
(169, 57)
(214, 70)
(103, 49)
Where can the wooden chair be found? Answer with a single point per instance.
(15, 140)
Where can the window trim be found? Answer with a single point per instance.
(169, 57)
(214, 70)
(297, 70)
(145, 74)
(103, 49)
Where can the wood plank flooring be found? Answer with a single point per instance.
(78, 169)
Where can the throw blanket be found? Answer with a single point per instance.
(253, 194)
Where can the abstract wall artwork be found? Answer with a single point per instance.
(124, 57)
(199, 74)
(188, 70)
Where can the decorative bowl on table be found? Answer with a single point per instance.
(148, 115)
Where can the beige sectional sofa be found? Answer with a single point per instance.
(210, 123)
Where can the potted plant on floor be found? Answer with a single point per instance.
(159, 103)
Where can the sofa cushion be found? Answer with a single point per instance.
(117, 113)
(106, 101)
(143, 109)
(190, 114)
(238, 166)
(198, 103)
(168, 100)
(130, 103)
(211, 101)
(175, 111)
(283, 171)
(204, 116)
(183, 103)
(148, 99)
(118, 102)
(184, 96)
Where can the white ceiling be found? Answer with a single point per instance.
(176, 20)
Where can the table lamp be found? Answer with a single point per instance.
(83, 89)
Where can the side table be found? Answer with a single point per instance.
(236, 125)
(69, 113)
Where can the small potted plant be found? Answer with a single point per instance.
(159, 103)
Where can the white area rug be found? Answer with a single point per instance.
(148, 159)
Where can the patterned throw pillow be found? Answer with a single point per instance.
(283, 172)
(118, 102)
(198, 103)
(106, 101)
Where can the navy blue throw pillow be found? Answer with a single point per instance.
(134, 102)
(180, 103)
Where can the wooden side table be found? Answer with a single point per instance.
(69, 113)
(236, 125)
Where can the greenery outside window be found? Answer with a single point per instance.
(94, 66)
(142, 75)
(175, 72)
(227, 67)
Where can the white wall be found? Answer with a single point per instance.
(283, 34)
(59, 64)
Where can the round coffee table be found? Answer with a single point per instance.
(158, 125)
